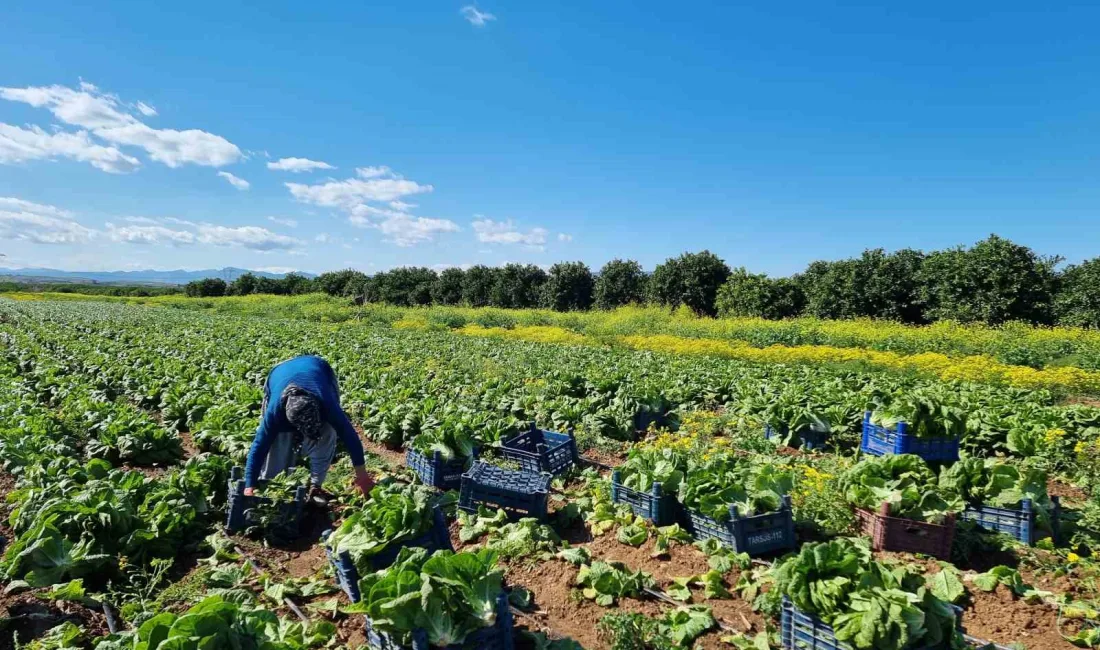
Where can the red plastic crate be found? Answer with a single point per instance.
(898, 534)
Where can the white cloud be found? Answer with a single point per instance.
(565, 237)
(289, 223)
(360, 197)
(19, 145)
(353, 191)
(505, 232)
(235, 181)
(40, 224)
(297, 165)
(251, 237)
(323, 238)
(281, 270)
(439, 268)
(374, 172)
(146, 110)
(475, 17)
(407, 230)
(106, 117)
(150, 235)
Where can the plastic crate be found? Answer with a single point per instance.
(436, 472)
(520, 494)
(240, 509)
(898, 534)
(438, 538)
(1017, 522)
(880, 441)
(537, 450)
(497, 637)
(755, 535)
(656, 506)
(801, 631)
(805, 438)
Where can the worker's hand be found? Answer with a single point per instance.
(248, 492)
(363, 480)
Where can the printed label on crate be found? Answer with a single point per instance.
(769, 536)
(452, 477)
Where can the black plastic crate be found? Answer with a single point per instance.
(1017, 522)
(755, 535)
(537, 450)
(497, 637)
(438, 538)
(656, 506)
(520, 494)
(241, 509)
(880, 441)
(436, 472)
(805, 438)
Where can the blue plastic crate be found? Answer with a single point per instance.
(497, 637)
(438, 538)
(537, 450)
(240, 508)
(520, 494)
(1017, 522)
(880, 441)
(805, 438)
(801, 631)
(755, 535)
(655, 505)
(436, 472)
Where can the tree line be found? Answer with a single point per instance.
(994, 281)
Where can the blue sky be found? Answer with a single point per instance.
(157, 135)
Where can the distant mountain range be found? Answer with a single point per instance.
(130, 277)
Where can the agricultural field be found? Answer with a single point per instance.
(120, 425)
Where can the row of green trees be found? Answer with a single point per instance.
(994, 281)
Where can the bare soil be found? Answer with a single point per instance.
(1069, 493)
(1001, 617)
(682, 561)
(558, 608)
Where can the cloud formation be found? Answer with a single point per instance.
(18, 145)
(235, 181)
(107, 118)
(372, 199)
(39, 224)
(298, 165)
(289, 223)
(156, 232)
(475, 17)
(505, 232)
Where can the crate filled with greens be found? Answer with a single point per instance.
(648, 482)
(835, 596)
(277, 511)
(537, 450)
(1004, 498)
(742, 503)
(440, 601)
(441, 454)
(519, 493)
(394, 517)
(914, 424)
(900, 505)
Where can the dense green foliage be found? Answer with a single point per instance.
(620, 283)
(692, 280)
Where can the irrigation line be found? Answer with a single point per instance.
(259, 572)
(112, 624)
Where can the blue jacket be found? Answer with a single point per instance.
(314, 375)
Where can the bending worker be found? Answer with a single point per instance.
(302, 414)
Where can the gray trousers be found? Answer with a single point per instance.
(284, 455)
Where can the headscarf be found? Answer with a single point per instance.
(303, 411)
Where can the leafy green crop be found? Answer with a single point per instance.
(869, 604)
(993, 482)
(606, 582)
(393, 514)
(751, 486)
(904, 482)
(449, 595)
